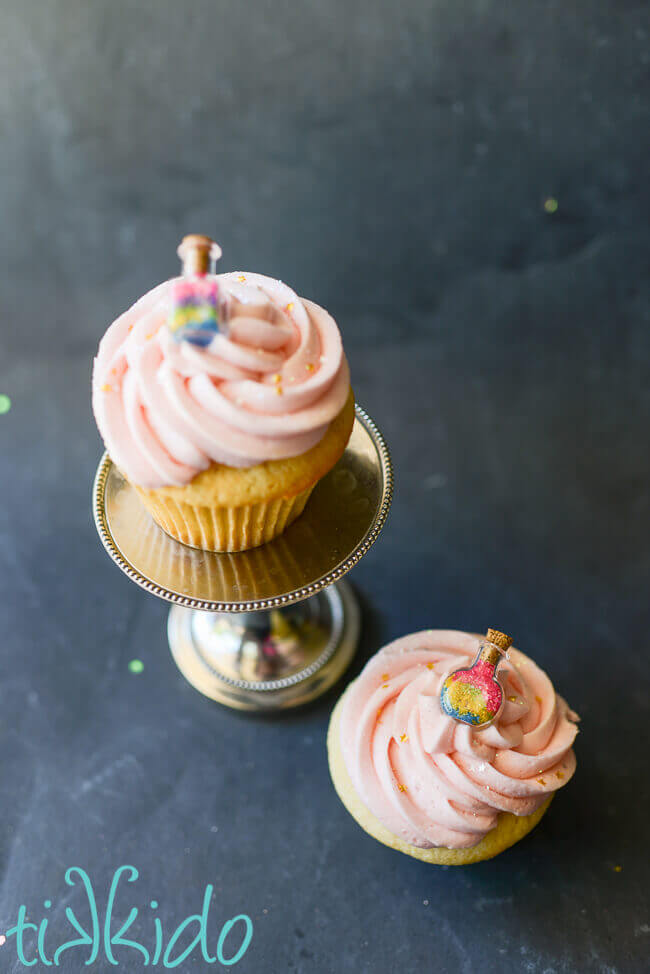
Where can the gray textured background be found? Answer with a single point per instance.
(391, 162)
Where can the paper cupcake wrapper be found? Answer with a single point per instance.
(218, 575)
(224, 528)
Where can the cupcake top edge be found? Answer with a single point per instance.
(433, 780)
(222, 368)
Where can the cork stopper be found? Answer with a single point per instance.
(197, 253)
(499, 639)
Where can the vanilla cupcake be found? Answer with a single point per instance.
(435, 786)
(223, 432)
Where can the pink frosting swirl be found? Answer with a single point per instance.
(432, 781)
(266, 390)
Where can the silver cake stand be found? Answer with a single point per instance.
(272, 627)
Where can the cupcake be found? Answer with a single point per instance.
(442, 756)
(223, 400)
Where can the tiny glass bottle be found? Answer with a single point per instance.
(195, 309)
(473, 695)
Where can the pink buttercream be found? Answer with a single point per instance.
(433, 781)
(265, 389)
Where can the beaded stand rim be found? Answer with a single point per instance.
(288, 598)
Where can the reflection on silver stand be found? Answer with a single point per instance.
(272, 627)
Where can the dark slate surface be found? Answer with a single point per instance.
(391, 161)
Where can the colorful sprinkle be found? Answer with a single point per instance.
(107, 387)
(241, 277)
(5, 404)
(289, 307)
(512, 699)
(559, 775)
(385, 676)
(310, 366)
(404, 738)
(402, 787)
(194, 310)
(618, 869)
(540, 781)
(473, 695)
(279, 390)
(551, 204)
(136, 666)
(148, 337)
(384, 686)
(277, 377)
(379, 713)
(430, 666)
(538, 699)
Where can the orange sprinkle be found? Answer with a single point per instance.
(241, 277)
(130, 328)
(559, 774)
(289, 307)
(404, 738)
(538, 699)
(113, 371)
(384, 686)
(430, 666)
(309, 367)
(402, 787)
(107, 388)
(277, 377)
(379, 712)
(512, 699)
(279, 390)
(385, 676)
(540, 781)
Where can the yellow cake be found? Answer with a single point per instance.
(429, 787)
(230, 509)
(223, 399)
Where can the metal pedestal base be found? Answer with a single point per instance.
(272, 627)
(271, 659)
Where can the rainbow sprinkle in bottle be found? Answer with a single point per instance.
(194, 313)
(474, 695)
